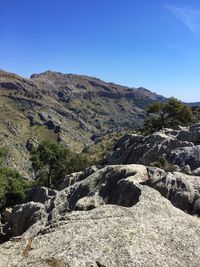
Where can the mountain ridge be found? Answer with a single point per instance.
(69, 108)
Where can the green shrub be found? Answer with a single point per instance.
(52, 161)
(13, 187)
(3, 154)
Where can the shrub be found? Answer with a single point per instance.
(52, 161)
(3, 154)
(13, 187)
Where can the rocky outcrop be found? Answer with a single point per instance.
(180, 148)
(120, 185)
(151, 233)
(182, 190)
(117, 216)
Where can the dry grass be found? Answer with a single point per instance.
(28, 247)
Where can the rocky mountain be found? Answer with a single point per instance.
(69, 108)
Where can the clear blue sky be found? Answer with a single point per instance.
(149, 43)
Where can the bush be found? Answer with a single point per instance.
(3, 154)
(52, 161)
(13, 187)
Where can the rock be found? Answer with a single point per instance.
(69, 180)
(196, 172)
(76, 177)
(186, 169)
(43, 116)
(88, 203)
(194, 127)
(40, 194)
(177, 147)
(5, 215)
(23, 217)
(184, 135)
(181, 189)
(186, 156)
(114, 216)
(31, 144)
(151, 233)
(119, 185)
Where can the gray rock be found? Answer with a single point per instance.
(186, 156)
(113, 217)
(151, 233)
(76, 177)
(177, 147)
(186, 169)
(119, 185)
(181, 189)
(23, 217)
(40, 194)
(196, 172)
(184, 136)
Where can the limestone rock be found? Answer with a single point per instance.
(182, 190)
(119, 185)
(151, 233)
(179, 147)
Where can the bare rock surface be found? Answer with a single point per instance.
(121, 215)
(179, 147)
(151, 233)
(182, 190)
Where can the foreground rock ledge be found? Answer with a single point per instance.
(151, 233)
(110, 217)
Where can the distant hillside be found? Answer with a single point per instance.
(194, 104)
(73, 109)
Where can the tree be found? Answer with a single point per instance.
(52, 161)
(169, 114)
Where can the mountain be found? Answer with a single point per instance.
(73, 109)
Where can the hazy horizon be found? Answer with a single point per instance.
(154, 45)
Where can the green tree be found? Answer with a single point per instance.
(169, 114)
(52, 161)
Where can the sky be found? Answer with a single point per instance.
(139, 43)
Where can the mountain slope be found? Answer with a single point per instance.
(74, 109)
